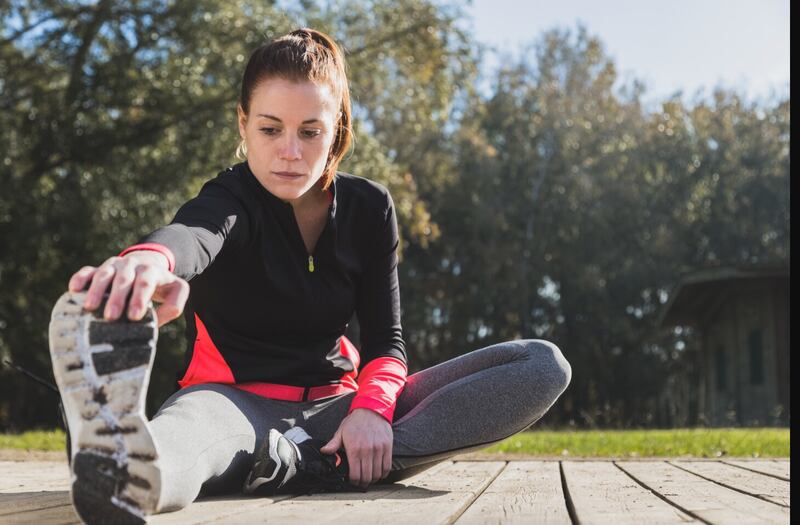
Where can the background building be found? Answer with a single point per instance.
(740, 317)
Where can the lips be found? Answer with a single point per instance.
(290, 175)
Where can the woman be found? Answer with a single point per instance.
(280, 250)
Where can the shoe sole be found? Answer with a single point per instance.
(102, 370)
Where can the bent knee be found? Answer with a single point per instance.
(550, 363)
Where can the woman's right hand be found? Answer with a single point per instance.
(146, 274)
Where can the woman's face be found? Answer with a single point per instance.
(288, 132)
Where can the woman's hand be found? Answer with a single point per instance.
(367, 439)
(143, 273)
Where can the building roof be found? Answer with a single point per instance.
(699, 291)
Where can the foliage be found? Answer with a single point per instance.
(554, 206)
(112, 115)
(574, 211)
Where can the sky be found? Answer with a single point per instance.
(675, 45)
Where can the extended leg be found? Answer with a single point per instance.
(206, 436)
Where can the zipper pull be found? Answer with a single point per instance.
(310, 263)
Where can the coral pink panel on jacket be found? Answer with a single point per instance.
(380, 384)
(207, 364)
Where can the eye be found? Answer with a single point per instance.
(270, 131)
(310, 133)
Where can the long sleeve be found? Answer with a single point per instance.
(378, 296)
(383, 369)
(379, 385)
(200, 229)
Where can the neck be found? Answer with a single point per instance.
(309, 199)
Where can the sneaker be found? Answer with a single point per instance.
(102, 370)
(283, 466)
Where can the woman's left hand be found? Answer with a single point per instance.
(367, 439)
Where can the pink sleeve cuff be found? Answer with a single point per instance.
(380, 382)
(154, 247)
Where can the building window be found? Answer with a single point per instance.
(720, 367)
(755, 347)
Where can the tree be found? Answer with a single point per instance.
(115, 113)
(575, 210)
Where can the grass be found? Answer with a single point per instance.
(35, 440)
(702, 443)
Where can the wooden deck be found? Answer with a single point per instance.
(472, 489)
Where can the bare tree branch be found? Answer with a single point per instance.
(64, 13)
(101, 12)
(396, 35)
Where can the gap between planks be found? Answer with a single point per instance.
(704, 499)
(745, 481)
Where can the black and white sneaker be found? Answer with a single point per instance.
(292, 463)
(102, 370)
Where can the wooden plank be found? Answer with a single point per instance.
(438, 498)
(434, 497)
(703, 498)
(243, 509)
(524, 492)
(15, 503)
(208, 510)
(601, 493)
(759, 485)
(779, 469)
(34, 485)
(64, 515)
(20, 476)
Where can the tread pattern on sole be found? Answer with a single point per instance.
(120, 358)
(102, 370)
(98, 480)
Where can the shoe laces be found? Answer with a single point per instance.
(322, 471)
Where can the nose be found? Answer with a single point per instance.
(290, 148)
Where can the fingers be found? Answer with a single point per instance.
(369, 452)
(387, 461)
(81, 278)
(366, 471)
(173, 296)
(140, 281)
(120, 289)
(100, 281)
(369, 466)
(377, 466)
(143, 289)
(357, 475)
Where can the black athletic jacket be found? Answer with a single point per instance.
(261, 308)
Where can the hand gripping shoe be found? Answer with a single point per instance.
(102, 370)
(282, 466)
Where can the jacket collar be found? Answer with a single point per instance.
(278, 203)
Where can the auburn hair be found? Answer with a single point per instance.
(303, 55)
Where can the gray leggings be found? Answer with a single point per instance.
(206, 434)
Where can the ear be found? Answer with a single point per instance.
(242, 119)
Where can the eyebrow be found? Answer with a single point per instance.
(309, 121)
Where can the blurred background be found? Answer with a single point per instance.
(612, 177)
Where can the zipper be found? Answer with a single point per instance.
(300, 237)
